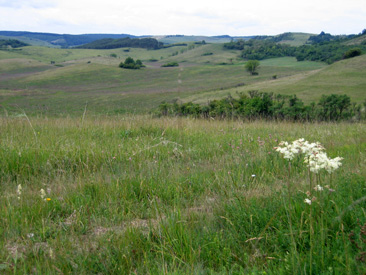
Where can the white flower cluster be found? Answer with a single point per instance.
(319, 161)
(315, 157)
(19, 191)
(43, 194)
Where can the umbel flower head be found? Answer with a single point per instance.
(43, 194)
(19, 191)
(315, 157)
(318, 161)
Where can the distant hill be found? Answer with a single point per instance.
(60, 40)
(110, 43)
(323, 47)
(173, 39)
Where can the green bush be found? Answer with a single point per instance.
(130, 63)
(257, 105)
(170, 64)
(352, 53)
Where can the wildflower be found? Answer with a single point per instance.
(318, 188)
(52, 256)
(307, 201)
(48, 199)
(30, 235)
(19, 191)
(253, 176)
(43, 194)
(333, 164)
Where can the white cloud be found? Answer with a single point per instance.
(183, 17)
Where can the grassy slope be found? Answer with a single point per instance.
(109, 89)
(299, 39)
(343, 77)
(28, 81)
(187, 38)
(31, 41)
(46, 55)
(356, 41)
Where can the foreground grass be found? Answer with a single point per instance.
(143, 195)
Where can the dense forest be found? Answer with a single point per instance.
(323, 47)
(110, 43)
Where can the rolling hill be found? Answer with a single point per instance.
(31, 82)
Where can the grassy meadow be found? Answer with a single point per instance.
(136, 194)
(92, 77)
(92, 183)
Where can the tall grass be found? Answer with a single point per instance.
(134, 194)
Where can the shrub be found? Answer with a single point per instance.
(131, 64)
(258, 105)
(352, 53)
(170, 64)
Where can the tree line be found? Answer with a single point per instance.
(13, 43)
(261, 105)
(322, 47)
(110, 43)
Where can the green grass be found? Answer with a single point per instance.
(109, 89)
(46, 55)
(130, 193)
(30, 83)
(188, 38)
(134, 194)
(299, 39)
(219, 55)
(343, 77)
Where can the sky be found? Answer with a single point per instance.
(187, 17)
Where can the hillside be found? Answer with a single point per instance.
(59, 81)
(343, 77)
(58, 40)
(110, 43)
(68, 40)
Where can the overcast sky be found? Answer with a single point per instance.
(189, 17)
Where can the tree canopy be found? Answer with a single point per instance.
(109, 43)
(251, 66)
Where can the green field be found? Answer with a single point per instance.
(125, 192)
(29, 82)
(134, 194)
(343, 77)
(82, 77)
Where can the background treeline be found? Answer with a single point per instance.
(110, 43)
(13, 43)
(63, 40)
(259, 105)
(323, 47)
